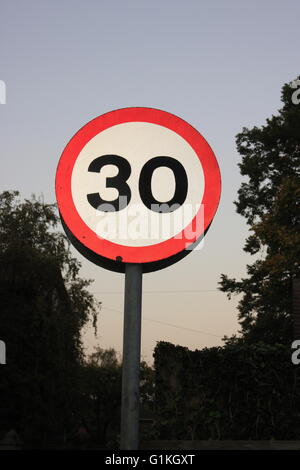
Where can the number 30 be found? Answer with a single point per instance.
(119, 182)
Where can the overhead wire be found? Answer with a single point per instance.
(166, 323)
(186, 291)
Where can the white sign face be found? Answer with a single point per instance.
(136, 224)
(137, 185)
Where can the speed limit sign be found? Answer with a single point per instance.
(136, 188)
(137, 185)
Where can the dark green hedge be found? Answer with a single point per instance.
(237, 391)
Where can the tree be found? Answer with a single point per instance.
(44, 305)
(269, 201)
(237, 391)
(101, 397)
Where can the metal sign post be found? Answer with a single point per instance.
(136, 189)
(131, 357)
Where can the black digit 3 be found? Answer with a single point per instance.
(118, 182)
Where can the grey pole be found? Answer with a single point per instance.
(131, 357)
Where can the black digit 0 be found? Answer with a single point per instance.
(181, 184)
(118, 182)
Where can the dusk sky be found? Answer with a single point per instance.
(218, 65)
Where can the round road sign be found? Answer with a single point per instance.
(137, 185)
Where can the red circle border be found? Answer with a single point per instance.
(144, 254)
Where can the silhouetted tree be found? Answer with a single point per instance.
(269, 201)
(102, 374)
(44, 305)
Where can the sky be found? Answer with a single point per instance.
(218, 65)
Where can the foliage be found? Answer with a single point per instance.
(44, 305)
(147, 385)
(269, 201)
(238, 391)
(101, 395)
(49, 392)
